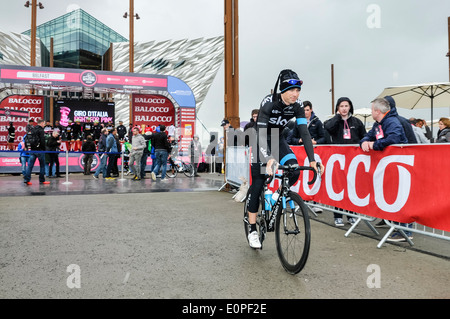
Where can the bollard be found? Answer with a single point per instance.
(122, 159)
(67, 169)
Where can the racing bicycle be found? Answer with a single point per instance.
(285, 213)
(173, 167)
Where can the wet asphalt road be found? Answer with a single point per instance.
(188, 245)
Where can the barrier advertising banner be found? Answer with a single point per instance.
(152, 110)
(401, 183)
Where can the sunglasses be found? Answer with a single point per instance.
(294, 82)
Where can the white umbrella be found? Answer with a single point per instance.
(420, 96)
(363, 112)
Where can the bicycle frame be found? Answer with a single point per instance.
(283, 191)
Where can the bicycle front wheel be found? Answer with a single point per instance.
(172, 171)
(188, 170)
(293, 234)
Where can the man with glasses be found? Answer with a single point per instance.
(271, 147)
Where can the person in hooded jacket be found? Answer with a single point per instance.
(344, 128)
(406, 124)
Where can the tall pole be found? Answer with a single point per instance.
(332, 89)
(448, 54)
(231, 97)
(33, 33)
(131, 45)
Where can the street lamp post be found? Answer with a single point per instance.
(131, 44)
(34, 6)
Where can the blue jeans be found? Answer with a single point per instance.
(161, 162)
(102, 166)
(31, 161)
(24, 161)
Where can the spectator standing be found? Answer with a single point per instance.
(87, 129)
(38, 130)
(76, 135)
(386, 130)
(137, 150)
(11, 136)
(96, 131)
(146, 153)
(315, 128)
(24, 156)
(344, 128)
(406, 124)
(103, 157)
(53, 145)
(121, 131)
(89, 149)
(111, 147)
(420, 135)
(196, 153)
(162, 147)
(443, 135)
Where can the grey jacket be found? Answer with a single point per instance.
(138, 143)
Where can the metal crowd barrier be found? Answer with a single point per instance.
(237, 166)
(67, 158)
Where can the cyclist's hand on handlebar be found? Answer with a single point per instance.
(272, 166)
(319, 169)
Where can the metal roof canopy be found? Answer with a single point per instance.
(53, 80)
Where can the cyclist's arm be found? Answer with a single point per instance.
(262, 125)
(303, 132)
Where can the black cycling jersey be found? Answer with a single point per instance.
(273, 117)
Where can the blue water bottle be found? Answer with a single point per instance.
(267, 200)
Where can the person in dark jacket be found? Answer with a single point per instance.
(103, 157)
(315, 128)
(162, 147)
(89, 148)
(406, 124)
(386, 130)
(344, 128)
(39, 130)
(53, 144)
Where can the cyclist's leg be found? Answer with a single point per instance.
(287, 157)
(253, 204)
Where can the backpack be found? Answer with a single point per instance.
(32, 139)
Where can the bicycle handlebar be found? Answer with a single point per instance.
(296, 167)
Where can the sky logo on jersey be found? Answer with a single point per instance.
(278, 121)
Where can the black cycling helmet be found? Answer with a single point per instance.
(288, 79)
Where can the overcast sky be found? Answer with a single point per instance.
(373, 44)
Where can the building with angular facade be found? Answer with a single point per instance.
(82, 42)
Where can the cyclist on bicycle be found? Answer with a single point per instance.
(275, 112)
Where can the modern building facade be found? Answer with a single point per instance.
(79, 40)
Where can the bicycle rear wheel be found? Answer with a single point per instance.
(188, 170)
(293, 234)
(261, 225)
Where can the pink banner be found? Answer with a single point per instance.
(402, 183)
